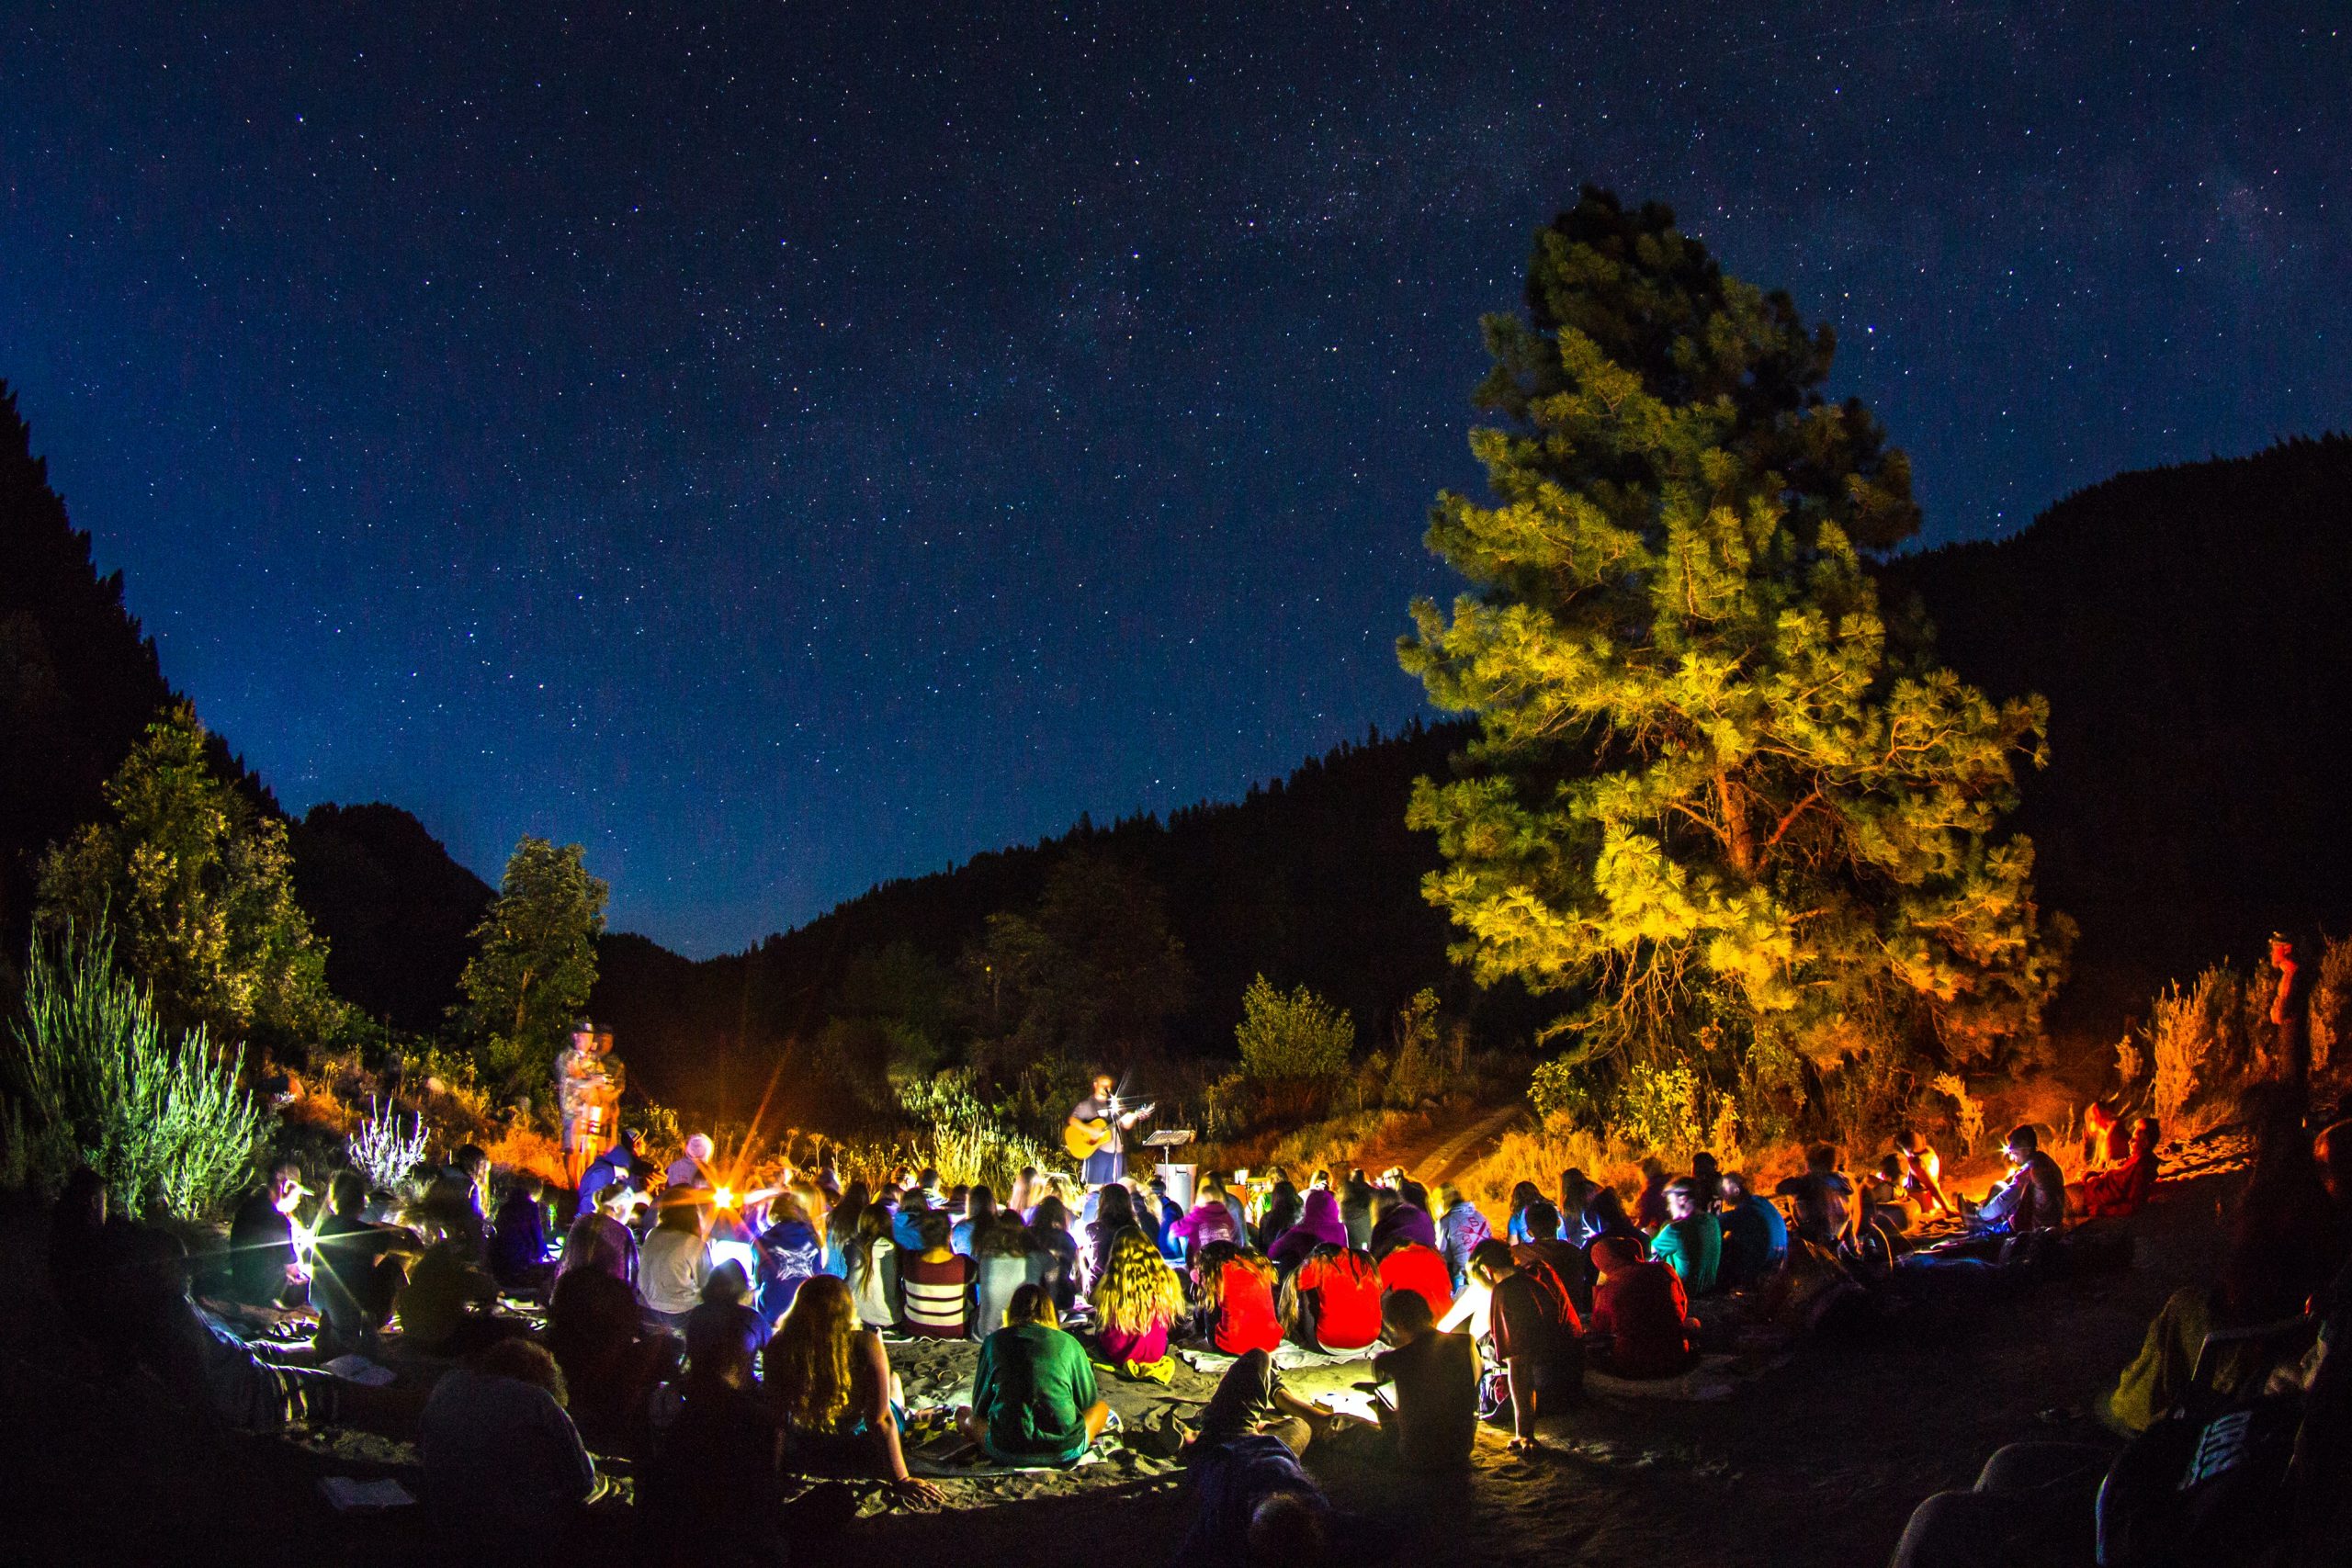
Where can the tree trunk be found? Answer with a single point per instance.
(1738, 835)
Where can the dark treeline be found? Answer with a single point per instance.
(2190, 626)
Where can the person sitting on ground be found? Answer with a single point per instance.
(2123, 1188)
(1755, 1237)
(1239, 1306)
(1434, 1421)
(455, 1203)
(1002, 1264)
(263, 1272)
(610, 1358)
(152, 1321)
(1034, 1399)
(1136, 1302)
(437, 1308)
(709, 1496)
(841, 1225)
(1283, 1209)
(1923, 1174)
(1460, 1228)
(1544, 1253)
(361, 1266)
(1536, 1337)
(1115, 1210)
(791, 1252)
(980, 1212)
(504, 1471)
(1355, 1197)
(935, 1284)
(725, 1313)
(906, 1221)
(1253, 1502)
(1159, 1216)
(831, 1384)
(1236, 1203)
(518, 1239)
(1605, 1215)
(1641, 1315)
(1523, 1196)
(1395, 1220)
(600, 1238)
(2032, 1198)
(1053, 1254)
(692, 1168)
(676, 1261)
(1691, 1239)
(623, 1164)
(2106, 1138)
(1819, 1198)
(1332, 1300)
(1319, 1225)
(1209, 1221)
(1409, 1265)
(1649, 1208)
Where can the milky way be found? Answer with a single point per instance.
(783, 447)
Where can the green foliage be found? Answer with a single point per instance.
(1413, 1073)
(1658, 1108)
(2202, 1040)
(1091, 974)
(1712, 795)
(1292, 1037)
(963, 1138)
(1560, 1090)
(196, 885)
(96, 1082)
(534, 964)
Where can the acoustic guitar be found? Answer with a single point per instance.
(1084, 1139)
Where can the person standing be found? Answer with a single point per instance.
(584, 1096)
(1108, 1163)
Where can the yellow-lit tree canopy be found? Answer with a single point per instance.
(1714, 801)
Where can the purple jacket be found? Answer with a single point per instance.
(1319, 1223)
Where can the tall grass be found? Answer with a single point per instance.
(2201, 1044)
(96, 1083)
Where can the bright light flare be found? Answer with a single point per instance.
(725, 1196)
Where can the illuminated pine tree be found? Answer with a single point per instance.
(1713, 803)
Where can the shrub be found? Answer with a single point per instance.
(1415, 1075)
(96, 1083)
(1561, 1092)
(967, 1142)
(382, 1152)
(1658, 1108)
(2331, 1005)
(1294, 1036)
(1968, 1111)
(2200, 1040)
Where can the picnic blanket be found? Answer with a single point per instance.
(1288, 1357)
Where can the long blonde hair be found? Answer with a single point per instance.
(1137, 1291)
(809, 1370)
(874, 1228)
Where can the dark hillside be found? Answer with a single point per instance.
(397, 912)
(2192, 629)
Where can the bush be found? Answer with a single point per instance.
(2332, 1007)
(1968, 1111)
(382, 1151)
(1415, 1074)
(1294, 1036)
(96, 1084)
(967, 1142)
(2202, 1042)
(1561, 1092)
(1658, 1108)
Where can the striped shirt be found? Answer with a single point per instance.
(937, 1295)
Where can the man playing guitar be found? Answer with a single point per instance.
(1094, 1129)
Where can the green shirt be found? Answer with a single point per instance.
(1692, 1248)
(1034, 1389)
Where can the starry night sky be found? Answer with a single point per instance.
(786, 445)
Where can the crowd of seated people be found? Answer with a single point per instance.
(722, 1339)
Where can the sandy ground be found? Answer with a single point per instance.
(1818, 1460)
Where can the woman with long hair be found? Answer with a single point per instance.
(841, 1228)
(831, 1384)
(1240, 1307)
(1001, 1261)
(1281, 1212)
(1053, 1254)
(1522, 1196)
(1319, 1225)
(1115, 1210)
(871, 1262)
(979, 1213)
(1136, 1298)
(1332, 1300)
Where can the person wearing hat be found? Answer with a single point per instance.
(623, 1163)
(263, 1268)
(585, 1095)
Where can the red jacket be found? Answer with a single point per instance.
(1409, 1266)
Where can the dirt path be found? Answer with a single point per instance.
(1455, 1154)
